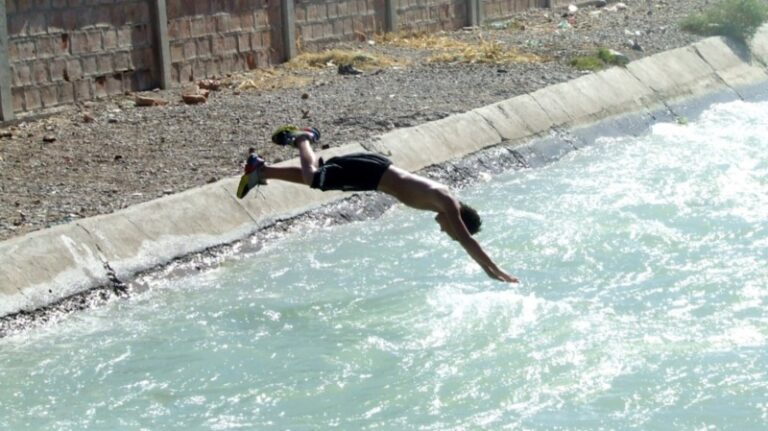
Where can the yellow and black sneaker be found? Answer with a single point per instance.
(253, 176)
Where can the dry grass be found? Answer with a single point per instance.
(450, 50)
(336, 57)
(265, 79)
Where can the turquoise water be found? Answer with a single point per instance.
(644, 306)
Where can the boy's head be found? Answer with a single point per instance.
(468, 216)
(471, 218)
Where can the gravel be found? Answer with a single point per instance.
(71, 164)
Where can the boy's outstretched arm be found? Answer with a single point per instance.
(473, 248)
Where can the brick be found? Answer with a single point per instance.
(198, 27)
(47, 47)
(100, 87)
(198, 69)
(173, 9)
(230, 44)
(243, 42)
(203, 47)
(301, 14)
(104, 64)
(40, 72)
(217, 45)
(65, 92)
(49, 95)
(109, 39)
(22, 50)
(32, 99)
(250, 61)
(190, 50)
(18, 99)
(185, 73)
(121, 61)
(89, 66)
(124, 36)
(256, 42)
(213, 68)
(175, 72)
(58, 68)
(177, 52)
(115, 84)
(74, 70)
(223, 22)
(83, 90)
(22, 74)
(247, 21)
(78, 43)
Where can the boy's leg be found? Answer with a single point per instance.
(308, 161)
(284, 173)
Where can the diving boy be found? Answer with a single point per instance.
(369, 171)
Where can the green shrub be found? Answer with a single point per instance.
(587, 63)
(612, 57)
(737, 19)
(604, 57)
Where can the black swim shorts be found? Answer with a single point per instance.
(352, 172)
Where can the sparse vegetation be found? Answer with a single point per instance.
(604, 57)
(589, 62)
(737, 19)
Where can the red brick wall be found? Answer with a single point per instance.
(65, 51)
(431, 15)
(494, 10)
(69, 51)
(320, 22)
(212, 38)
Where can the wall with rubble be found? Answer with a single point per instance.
(59, 52)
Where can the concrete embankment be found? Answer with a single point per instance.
(43, 267)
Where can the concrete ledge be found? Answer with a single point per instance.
(758, 46)
(676, 74)
(46, 266)
(732, 66)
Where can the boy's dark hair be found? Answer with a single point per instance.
(471, 218)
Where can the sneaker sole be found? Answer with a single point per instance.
(243, 188)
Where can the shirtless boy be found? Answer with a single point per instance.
(369, 171)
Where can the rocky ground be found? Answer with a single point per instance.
(107, 155)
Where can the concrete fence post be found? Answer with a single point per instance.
(473, 20)
(288, 13)
(6, 98)
(390, 17)
(160, 30)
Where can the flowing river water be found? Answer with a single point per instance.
(643, 306)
